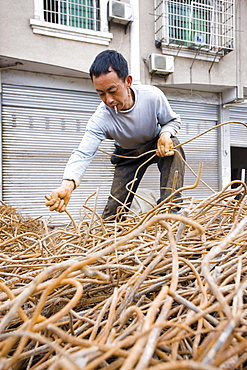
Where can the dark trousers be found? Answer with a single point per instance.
(125, 171)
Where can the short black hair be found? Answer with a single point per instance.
(105, 60)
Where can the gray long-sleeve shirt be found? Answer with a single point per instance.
(150, 115)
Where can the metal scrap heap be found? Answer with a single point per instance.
(155, 291)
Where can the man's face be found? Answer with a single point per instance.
(113, 91)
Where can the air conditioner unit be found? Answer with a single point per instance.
(161, 64)
(120, 12)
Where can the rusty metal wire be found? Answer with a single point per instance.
(159, 291)
(155, 291)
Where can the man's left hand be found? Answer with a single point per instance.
(165, 145)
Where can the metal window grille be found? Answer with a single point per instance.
(75, 13)
(204, 24)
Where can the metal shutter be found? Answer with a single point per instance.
(238, 132)
(196, 118)
(40, 128)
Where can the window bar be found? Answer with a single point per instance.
(94, 15)
(62, 12)
(209, 26)
(76, 14)
(73, 14)
(86, 14)
(92, 11)
(67, 12)
(97, 17)
(61, 15)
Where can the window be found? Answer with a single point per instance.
(80, 20)
(190, 24)
(75, 13)
(206, 25)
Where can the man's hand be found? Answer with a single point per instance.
(59, 198)
(165, 145)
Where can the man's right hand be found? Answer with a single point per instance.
(59, 198)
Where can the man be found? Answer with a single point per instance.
(140, 120)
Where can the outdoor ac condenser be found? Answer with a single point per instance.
(161, 64)
(119, 12)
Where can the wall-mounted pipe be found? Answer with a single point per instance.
(9, 66)
(135, 44)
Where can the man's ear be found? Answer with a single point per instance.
(128, 81)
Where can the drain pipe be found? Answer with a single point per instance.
(135, 44)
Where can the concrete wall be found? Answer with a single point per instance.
(18, 40)
(196, 74)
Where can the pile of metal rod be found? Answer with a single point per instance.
(156, 291)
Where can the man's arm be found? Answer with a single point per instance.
(170, 123)
(167, 118)
(77, 164)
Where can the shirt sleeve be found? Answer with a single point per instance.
(81, 157)
(167, 118)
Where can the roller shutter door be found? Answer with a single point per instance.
(42, 126)
(196, 118)
(40, 129)
(238, 132)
